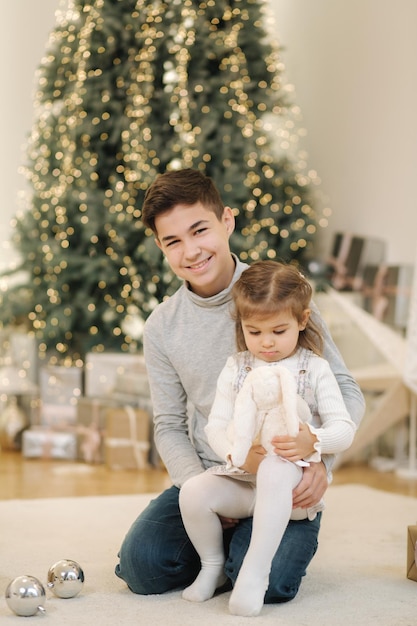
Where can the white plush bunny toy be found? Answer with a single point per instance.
(267, 405)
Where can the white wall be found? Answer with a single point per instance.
(354, 67)
(24, 30)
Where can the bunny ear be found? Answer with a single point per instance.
(244, 421)
(289, 398)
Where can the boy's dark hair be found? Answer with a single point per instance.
(269, 287)
(186, 186)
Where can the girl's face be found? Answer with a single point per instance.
(274, 337)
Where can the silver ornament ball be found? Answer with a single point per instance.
(65, 578)
(25, 596)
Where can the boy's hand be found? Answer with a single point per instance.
(255, 455)
(228, 522)
(295, 448)
(312, 486)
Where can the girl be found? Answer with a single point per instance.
(273, 326)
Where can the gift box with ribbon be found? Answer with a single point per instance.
(349, 256)
(41, 442)
(112, 371)
(90, 428)
(412, 552)
(60, 388)
(386, 293)
(126, 441)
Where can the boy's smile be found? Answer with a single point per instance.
(196, 245)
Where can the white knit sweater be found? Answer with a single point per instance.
(330, 420)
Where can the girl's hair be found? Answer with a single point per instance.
(269, 287)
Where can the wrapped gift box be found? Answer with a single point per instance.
(133, 382)
(349, 256)
(90, 427)
(104, 372)
(412, 552)
(40, 442)
(60, 388)
(20, 348)
(386, 293)
(126, 441)
(144, 403)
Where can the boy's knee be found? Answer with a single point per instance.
(141, 568)
(129, 570)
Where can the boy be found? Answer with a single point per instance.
(187, 340)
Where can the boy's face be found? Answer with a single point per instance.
(196, 246)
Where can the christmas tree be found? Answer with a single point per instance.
(126, 90)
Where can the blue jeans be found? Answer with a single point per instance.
(156, 555)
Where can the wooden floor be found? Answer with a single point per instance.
(43, 478)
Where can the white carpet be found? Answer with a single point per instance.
(356, 578)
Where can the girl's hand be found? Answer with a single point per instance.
(295, 448)
(256, 454)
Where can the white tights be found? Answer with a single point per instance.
(206, 496)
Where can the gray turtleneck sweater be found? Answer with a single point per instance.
(187, 340)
